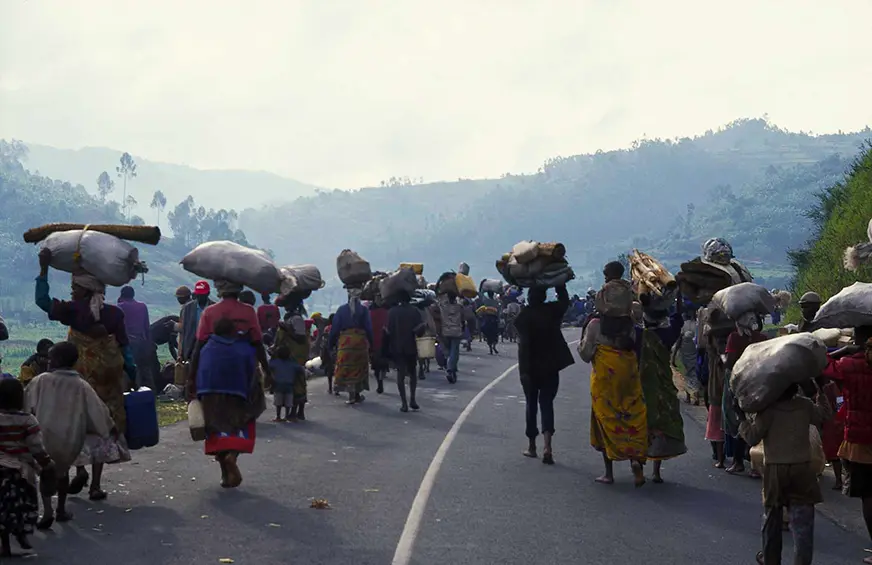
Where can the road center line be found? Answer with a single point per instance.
(403, 553)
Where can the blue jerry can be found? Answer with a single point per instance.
(142, 427)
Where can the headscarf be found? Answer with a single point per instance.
(223, 287)
(748, 323)
(354, 298)
(717, 250)
(98, 292)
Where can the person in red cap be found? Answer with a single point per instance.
(189, 319)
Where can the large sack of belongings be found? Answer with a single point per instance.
(465, 286)
(372, 288)
(463, 269)
(300, 279)
(490, 285)
(418, 268)
(714, 270)
(742, 298)
(353, 270)
(112, 260)
(615, 299)
(766, 369)
(423, 297)
(850, 308)
(860, 254)
(401, 280)
(229, 261)
(531, 264)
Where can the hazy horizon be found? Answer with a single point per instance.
(346, 94)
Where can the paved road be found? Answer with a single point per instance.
(487, 504)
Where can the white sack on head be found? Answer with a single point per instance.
(112, 260)
(229, 261)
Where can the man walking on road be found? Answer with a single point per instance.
(452, 331)
(138, 332)
(542, 354)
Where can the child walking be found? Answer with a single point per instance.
(788, 478)
(286, 371)
(21, 457)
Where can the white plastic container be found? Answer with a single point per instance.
(426, 347)
(196, 421)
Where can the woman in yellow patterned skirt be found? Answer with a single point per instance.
(618, 419)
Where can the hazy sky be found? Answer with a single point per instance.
(349, 92)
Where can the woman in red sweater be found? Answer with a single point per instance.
(851, 366)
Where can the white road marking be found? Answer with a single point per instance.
(403, 553)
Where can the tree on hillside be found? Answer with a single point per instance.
(126, 170)
(159, 202)
(105, 185)
(129, 205)
(14, 150)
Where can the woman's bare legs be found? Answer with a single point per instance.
(609, 476)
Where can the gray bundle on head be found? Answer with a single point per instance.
(859, 254)
(783, 298)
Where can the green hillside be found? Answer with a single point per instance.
(749, 181)
(840, 218)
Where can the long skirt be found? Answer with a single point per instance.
(619, 418)
(714, 426)
(19, 508)
(102, 365)
(665, 426)
(351, 372)
(240, 441)
(490, 328)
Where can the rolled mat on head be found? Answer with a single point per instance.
(141, 234)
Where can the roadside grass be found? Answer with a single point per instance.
(171, 411)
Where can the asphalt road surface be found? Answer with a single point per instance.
(446, 485)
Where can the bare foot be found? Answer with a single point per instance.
(720, 465)
(657, 480)
(531, 453)
(605, 480)
(638, 474)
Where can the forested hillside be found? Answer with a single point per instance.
(30, 200)
(840, 219)
(749, 181)
(216, 188)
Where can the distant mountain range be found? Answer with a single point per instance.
(749, 181)
(229, 189)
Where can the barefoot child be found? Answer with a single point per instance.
(21, 453)
(285, 372)
(70, 410)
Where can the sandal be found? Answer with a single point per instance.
(604, 480)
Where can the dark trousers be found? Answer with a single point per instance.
(540, 395)
(802, 527)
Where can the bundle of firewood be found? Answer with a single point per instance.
(647, 274)
(140, 234)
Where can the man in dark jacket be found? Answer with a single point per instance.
(542, 354)
(404, 325)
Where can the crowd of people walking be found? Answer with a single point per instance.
(66, 410)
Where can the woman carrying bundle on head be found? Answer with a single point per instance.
(660, 330)
(351, 337)
(619, 426)
(223, 378)
(97, 330)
